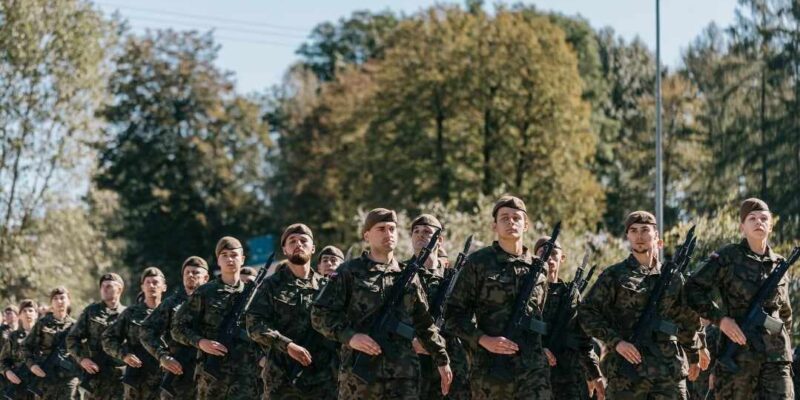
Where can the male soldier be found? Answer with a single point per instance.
(481, 305)
(10, 322)
(346, 309)
(197, 323)
(102, 373)
(300, 361)
(156, 338)
(329, 259)
(121, 340)
(574, 363)
(12, 357)
(708, 338)
(614, 305)
(431, 277)
(59, 379)
(737, 271)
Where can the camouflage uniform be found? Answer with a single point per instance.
(12, 358)
(430, 382)
(36, 348)
(481, 304)
(281, 314)
(609, 313)
(121, 339)
(576, 361)
(737, 273)
(84, 341)
(709, 338)
(200, 318)
(348, 306)
(157, 340)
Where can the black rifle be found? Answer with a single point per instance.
(106, 365)
(295, 371)
(557, 337)
(586, 280)
(187, 357)
(756, 317)
(231, 330)
(386, 321)
(133, 376)
(649, 322)
(55, 361)
(521, 326)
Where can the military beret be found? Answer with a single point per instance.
(296, 229)
(540, 243)
(378, 215)
(11, 307)
(510, 202)
(60, 290)
(331, 251)
(249, 271)
(227, 243)
(113, 277)
(28, 303)
(639, 217)
(750, 205)
(151, 271)
(427, 220)
(195, 261)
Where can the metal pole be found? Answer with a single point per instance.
(659, 149)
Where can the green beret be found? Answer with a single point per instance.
(195, 261)
(111, 277)
(296, 229)
(540, 243)
(331, 251)
(750, 205)
(510, 202)
(378, 215)
(427, 220)
(151, 271)
(639, 217)
(227, 243)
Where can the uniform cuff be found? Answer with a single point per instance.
(282, 343)
(345, 335)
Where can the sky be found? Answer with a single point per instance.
(259, 37)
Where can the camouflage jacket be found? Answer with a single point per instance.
(348, 306)
(577, 350)
(12, 355)
(200, 317)
(85, 337)
(736, 273)
(614, 304)
(5, 333)
(155, 331)
(281, 314)
(483, 300)
(122, 336)
(42, 341)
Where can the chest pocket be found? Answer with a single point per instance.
(216, 311)
(366, 296)
(499, 289)
(633, 293)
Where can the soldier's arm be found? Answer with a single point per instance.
(688, 327)
(31, 345)
(113, 337)
(329, 310)
(461, 306)
(76, 335)
(183, 323)
(592, 313)
(154, 327)
(588, 359)
(6, 357)
(425, 328)
(700, 287)
(261, 324)
(785, 310)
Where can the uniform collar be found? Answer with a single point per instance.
(769, 255)
(504, 257)
(372, 265)
(633, 264)
(313, 280)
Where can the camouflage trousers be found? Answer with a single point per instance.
(430, 381)
(351, 387)
(699, 388)
(185, 388)
(106, 386)
(231, 386)
(568, 385)
(61, 390)
(147, 389)
(646, 389)
(531, 384)
(289, 392)
(755, 380)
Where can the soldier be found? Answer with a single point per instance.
(10, 322)
(197, 323)
(101, 373)
(121, 340)
(12, 357)
(737, 271)
(345, 310)
(280, 321)
(329, 260)
(575, 364)
(613, 306)
(431, 277)
(708, 339)
(156, 338)
(60, 381)
(248, 274)
(483, 300)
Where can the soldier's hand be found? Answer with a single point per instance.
(132, 361)
(551, 358)
(12, 377)
(89, 366)
(629, 352)
(694, 372)
(597, 388)
(212, 347)
(731, 329)
(711, 380)
(262, 362)
(705, 359)
(37, 370)
(498, 344)
(299, 354)
(418, 348)
(447, 378)
(364, 344)
(172, 365)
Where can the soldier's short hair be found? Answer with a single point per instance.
(227, 243)
(57, 291)
(150, 272)
(639, 217)
(509, 202)
(195, 261)
(296, 229)
(113, 277)
(750, 205)
(28, 303)
(377, 216)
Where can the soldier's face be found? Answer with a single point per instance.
(10, 317)
(59, 303)
(557, 257)
(757, 225)
(643, 238)
(28, 316)
(154, 286)
(298, 248)
(328, 264)
(230, 261)
(110, 291)
(382, 236)
(510, 223)
(421, 235)
(193, 277)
